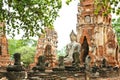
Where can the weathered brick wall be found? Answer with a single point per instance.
(47, 45)
(4, 56)
(98, 31)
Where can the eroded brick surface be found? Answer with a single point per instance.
(98, 31)
(47, 45)
(4, 55)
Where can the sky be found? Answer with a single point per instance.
(66, 22)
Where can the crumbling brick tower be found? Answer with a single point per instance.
(95, 34)
(4, 55)
(47, 46)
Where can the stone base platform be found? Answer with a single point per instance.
(13, 75)
(73, 75)
(61, 75)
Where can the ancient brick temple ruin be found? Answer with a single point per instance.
(4, 55)
(95, 34)
(95, 41)
(47, 46)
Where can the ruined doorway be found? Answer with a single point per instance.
(85, 49)
(117, 53)
(48, 54)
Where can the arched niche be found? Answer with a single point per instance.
(85, 34)
(48, 55)
(47, 50)
(84, 49)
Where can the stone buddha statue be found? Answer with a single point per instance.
(72, 47)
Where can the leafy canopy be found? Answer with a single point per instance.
(31, 16)
(28, 15)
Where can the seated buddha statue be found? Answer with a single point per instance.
(72, 51)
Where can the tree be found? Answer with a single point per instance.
(29, 16)
(27, 54)
(13, 44)
(25, 47)
(116, 26)
(113, 7)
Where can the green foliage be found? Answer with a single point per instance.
(13, 44)
(26, 48)
(113, 7)
(68, 1)
(28, 15)
(27, 54)
(116, 26)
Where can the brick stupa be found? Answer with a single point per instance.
(4, 55)
(47, 46)
(95, 34)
